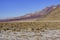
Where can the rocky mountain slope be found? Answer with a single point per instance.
(54, 14)
(49, 13)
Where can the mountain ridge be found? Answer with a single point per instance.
(37, 15)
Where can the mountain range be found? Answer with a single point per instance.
(48, 13)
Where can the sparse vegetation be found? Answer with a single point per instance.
(34, 26)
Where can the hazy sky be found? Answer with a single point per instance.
(13, 8)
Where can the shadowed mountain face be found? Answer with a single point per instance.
(52, 10)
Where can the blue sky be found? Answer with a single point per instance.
(14, 8)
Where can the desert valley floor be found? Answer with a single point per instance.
(30, 31)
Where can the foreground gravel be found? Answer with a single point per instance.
(46, 35)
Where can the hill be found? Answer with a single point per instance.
(54, 14)
(49, 13)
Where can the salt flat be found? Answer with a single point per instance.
(46, 35)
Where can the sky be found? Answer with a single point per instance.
(15, 8)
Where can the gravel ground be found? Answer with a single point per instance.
(46, 35)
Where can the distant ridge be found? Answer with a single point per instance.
(49, 13)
